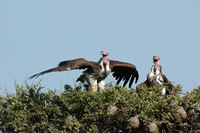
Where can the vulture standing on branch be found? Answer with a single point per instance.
(96, 72)
(156, 77)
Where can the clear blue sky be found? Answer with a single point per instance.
(36, 35)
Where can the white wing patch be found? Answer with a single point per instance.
(68, 69)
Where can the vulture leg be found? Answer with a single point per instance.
(163, 91)
(101, 86)
(93, 85)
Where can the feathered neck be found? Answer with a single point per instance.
(156, 64)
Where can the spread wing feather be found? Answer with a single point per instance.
(124, 71)
(79, 63)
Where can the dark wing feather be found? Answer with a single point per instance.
(167, 82)
(124, 71)
(44, 72)
(143, 84)
(79, 63)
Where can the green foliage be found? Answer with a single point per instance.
(78, 110)
(191, 103)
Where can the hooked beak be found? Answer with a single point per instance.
(156, 58)
(104, 53)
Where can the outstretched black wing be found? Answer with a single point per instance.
(79, 63)
(124, 71)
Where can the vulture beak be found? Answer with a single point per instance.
(156, 58)
(104, 53)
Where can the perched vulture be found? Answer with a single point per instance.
(156, 77)
(96, 72)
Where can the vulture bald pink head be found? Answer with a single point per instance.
(156, 61)
(105, 55)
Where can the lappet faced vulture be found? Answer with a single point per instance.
(95, 72)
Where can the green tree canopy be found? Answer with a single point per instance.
(116, 109)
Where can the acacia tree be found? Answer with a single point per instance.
(116, 109)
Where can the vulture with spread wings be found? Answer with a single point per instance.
(96, 72)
